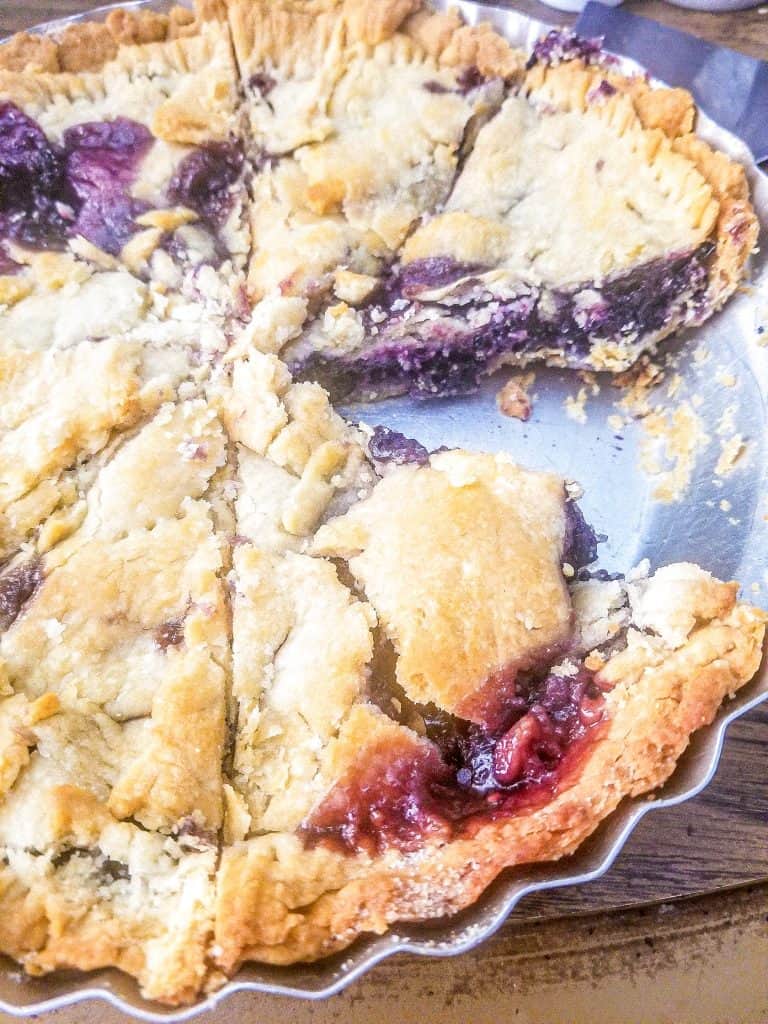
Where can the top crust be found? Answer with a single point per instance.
(462, 563)
(668, 118)
(280, 902)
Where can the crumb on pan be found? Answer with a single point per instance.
(514, 399)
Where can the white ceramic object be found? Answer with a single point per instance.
(572, 6)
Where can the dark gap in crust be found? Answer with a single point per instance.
(169, 634)
(190, 831)
(111, 870)
(426, 348)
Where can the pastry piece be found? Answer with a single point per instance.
(53, 422)
(298, 461)
(123, 190)
(114, 654)
(650, 233)
(491, 707)
(91, 892)
(358, 115)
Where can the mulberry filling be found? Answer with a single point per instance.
(51, 193)
(17, 588)
(561, 44)
(393, 447)
(467, 776)
(204, 181)
(425, 348)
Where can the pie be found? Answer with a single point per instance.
(271, 680)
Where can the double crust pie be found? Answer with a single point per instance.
(271, 680)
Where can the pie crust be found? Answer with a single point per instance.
(271, 681)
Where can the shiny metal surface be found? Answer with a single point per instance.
(720, 522)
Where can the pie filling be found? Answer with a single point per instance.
(425, 347)
(18, 586)
(52, 193)
(561, 45)
(467, 775)
(539, 726)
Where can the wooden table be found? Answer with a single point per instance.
(715, 845)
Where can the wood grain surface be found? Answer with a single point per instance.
(717, 840)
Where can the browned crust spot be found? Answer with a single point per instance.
(89, 45)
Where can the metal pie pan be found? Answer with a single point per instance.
(619, 502)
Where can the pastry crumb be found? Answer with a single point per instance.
(575, 406)
(725, 378)
(673, 440)
(732, 452)
(513, 399)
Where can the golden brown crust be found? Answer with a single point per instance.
(27, 52)
(461, 560)
(289, 31)
(673, 111)
(445, 37)
(89, 45)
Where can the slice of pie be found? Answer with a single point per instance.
(114, 648)
(359, 116)
(587, 224)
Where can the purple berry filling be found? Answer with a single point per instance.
(50, 193)
(261, 82)
(36, 200)
(391, 446)
(169, 634)
(402, 793)
(101, 164)
(603, 91)
(580, 544)
(8, 266)
(446, 356)
(466, 81)
(17, 588)
(433, 272)
(561, 45)
(204, 181)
